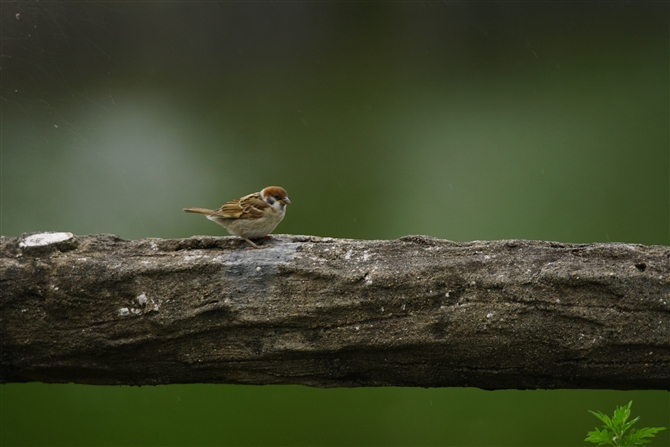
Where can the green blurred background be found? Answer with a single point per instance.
(463, 121)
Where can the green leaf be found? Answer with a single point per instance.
(628, 425)
(636, 437)
(620, 417)
(601, 437)
(619, 425)
(603, 417)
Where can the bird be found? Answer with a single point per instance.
(252, 216)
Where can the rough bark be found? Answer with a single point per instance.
(333, 312)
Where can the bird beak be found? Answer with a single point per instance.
(286, 200)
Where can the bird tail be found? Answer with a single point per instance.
(199, 211)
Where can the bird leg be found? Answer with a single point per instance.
(248, 240)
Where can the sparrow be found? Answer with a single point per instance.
(252, 216)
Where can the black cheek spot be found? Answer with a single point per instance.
(271, 201)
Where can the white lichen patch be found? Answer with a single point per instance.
(124, 311)
(42, 239)
(142, 299)
(368, 280)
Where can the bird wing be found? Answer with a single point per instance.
(247, 207)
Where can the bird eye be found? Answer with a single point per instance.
(277, 196)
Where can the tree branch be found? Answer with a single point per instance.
(334, 312)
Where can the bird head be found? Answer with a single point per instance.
(275, 194)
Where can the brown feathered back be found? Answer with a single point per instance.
(247, 207)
